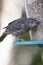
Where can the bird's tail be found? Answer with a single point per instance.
(2, 37)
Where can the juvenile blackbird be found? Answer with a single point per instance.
(19, 27)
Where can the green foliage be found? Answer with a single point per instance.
(37, 59)
(25, 36)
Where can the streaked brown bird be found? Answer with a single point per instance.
(20, 26)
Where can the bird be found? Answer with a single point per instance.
(19, 26)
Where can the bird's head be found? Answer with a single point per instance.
(32, 23)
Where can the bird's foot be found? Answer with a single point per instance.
(19, 39)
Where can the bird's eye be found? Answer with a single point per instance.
(31, 21)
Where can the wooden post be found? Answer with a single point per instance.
(34, 9)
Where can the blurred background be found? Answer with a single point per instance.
(9, 53)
